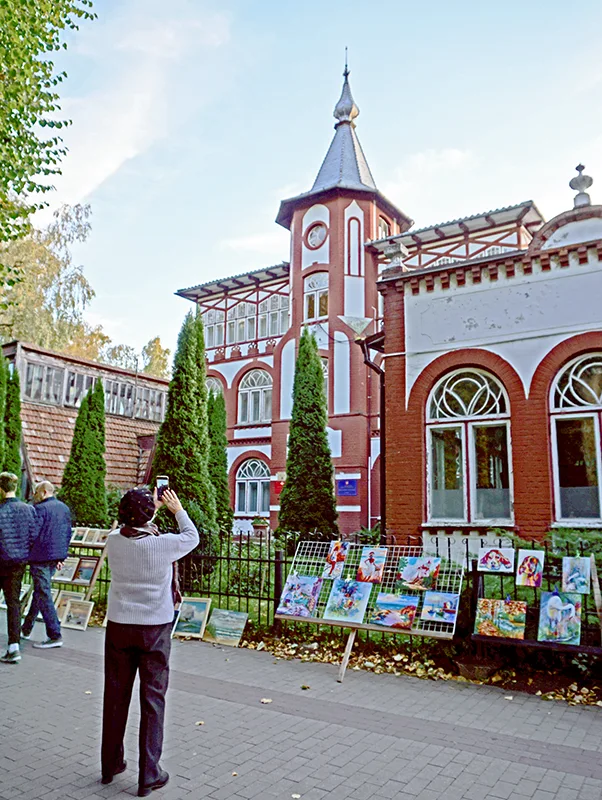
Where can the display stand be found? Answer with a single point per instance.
(75, 548)
(596, 590)
(310, 561)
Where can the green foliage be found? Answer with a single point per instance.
(182, 449)
(114, 495)
(369, 535)
(4, 376)
(30, 32)
(307, 501)
(12, 425)
(83, 487)
(218, 461)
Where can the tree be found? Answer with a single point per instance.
(182, 448)
(218, 460)
(3, 389)
(83, 487)
(30, 31)
(307, 501)
(120, 355)
(155, 358)
(12, 425)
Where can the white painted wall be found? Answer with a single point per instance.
(253, 433)
(352, 252)
(583, 230)
(342, 374)
(317, 213)
(229, 369)
(287, 376)
(521, 318)
(374, 450)
(355, 302)
(238, 450)
(335, 441)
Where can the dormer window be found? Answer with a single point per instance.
(384, 228)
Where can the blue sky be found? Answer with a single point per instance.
(193, 119)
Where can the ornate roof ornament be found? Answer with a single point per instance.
(580, 184)
(346, 110)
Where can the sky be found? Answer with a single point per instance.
(193, 119)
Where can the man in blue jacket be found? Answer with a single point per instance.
(18, 529)
(49, 549)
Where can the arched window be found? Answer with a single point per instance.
(214, 385)
(325, 373)
(255, 398)
(253, 487)
(576, 418)
(315, 290)
(468, 468)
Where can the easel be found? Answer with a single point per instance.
(95, 575)
(596, 588)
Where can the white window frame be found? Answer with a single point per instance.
(316, 293)
(248, 391)
(261, 480)
(214, 320)
(467, 425)
(214, 384)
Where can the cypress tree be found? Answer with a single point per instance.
(12, 425)
(307, 501)
(3, 388)
(182, 449)
(83, 487)
(218, 460)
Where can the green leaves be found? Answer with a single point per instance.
(29, 31)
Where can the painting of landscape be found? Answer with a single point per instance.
(504, 618)
(394, 611)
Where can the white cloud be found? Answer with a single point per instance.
(143, 74)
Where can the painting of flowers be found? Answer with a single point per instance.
(348, 601)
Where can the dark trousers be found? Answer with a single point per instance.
(10, 583)
(130, 649)
(41, 574)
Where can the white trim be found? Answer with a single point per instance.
(575, 522)
(253, 433)
(351, 476)
(472, 462)
(274, 508)
(429, 471)
(355, 509)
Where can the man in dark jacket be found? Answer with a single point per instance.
(49, 549)
(18, 529)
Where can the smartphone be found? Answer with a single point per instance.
(162, 484)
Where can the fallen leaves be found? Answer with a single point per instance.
(200, 722)
(305, 687)
(266, 700)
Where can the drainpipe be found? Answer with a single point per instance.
(381, 373)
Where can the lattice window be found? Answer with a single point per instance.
(576, 427)
(44, 383)
(273, 316)
(253, 487)
(214, 385)
(315, 290)
(214, 327)
(255, 397)
(469, 472)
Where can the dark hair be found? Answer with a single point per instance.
(8, 482)
(136, 507)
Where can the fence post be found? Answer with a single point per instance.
(278, 586)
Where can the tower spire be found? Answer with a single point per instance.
(346, 109)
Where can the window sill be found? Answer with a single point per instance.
(577, 523)
(494, 523)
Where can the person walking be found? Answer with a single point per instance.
(49, 550)
(18, 529)
(138, 636)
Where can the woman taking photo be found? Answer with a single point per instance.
(138, 637)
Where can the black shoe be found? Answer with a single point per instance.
(161, 781)
(109, 778)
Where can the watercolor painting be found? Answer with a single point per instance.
(576, 574)
(77, 614)
(335, 560)
(394, 611)
(192, 617)
(79, 534)
(85, 570)
(496, 559)
(560, 618)
(505, 618)
(348, 601)
(66, 574)
(440, 606)
(226, 627)
(418, 572)
(372, 564)
(62, 599)
(300, 596)
(530, 568)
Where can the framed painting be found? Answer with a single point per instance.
(225, 627)
(192, 617)
(85, 570)
(62, 599)
(91, 536)
(103, 536)
(66, 574)
(77, 614)
(79, 534)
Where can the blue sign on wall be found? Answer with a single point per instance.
(347, 488)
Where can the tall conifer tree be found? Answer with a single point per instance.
(3, 387)
(83, 485)
(218, 460)
(182, 450)
(307, 501)
(12, 425)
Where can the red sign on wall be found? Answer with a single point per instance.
(278, 486)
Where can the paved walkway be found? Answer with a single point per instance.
(374, 736)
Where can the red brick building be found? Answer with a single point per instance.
(52, 388)
(493, 354)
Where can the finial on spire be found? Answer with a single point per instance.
(345, 110)
(580, 184)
